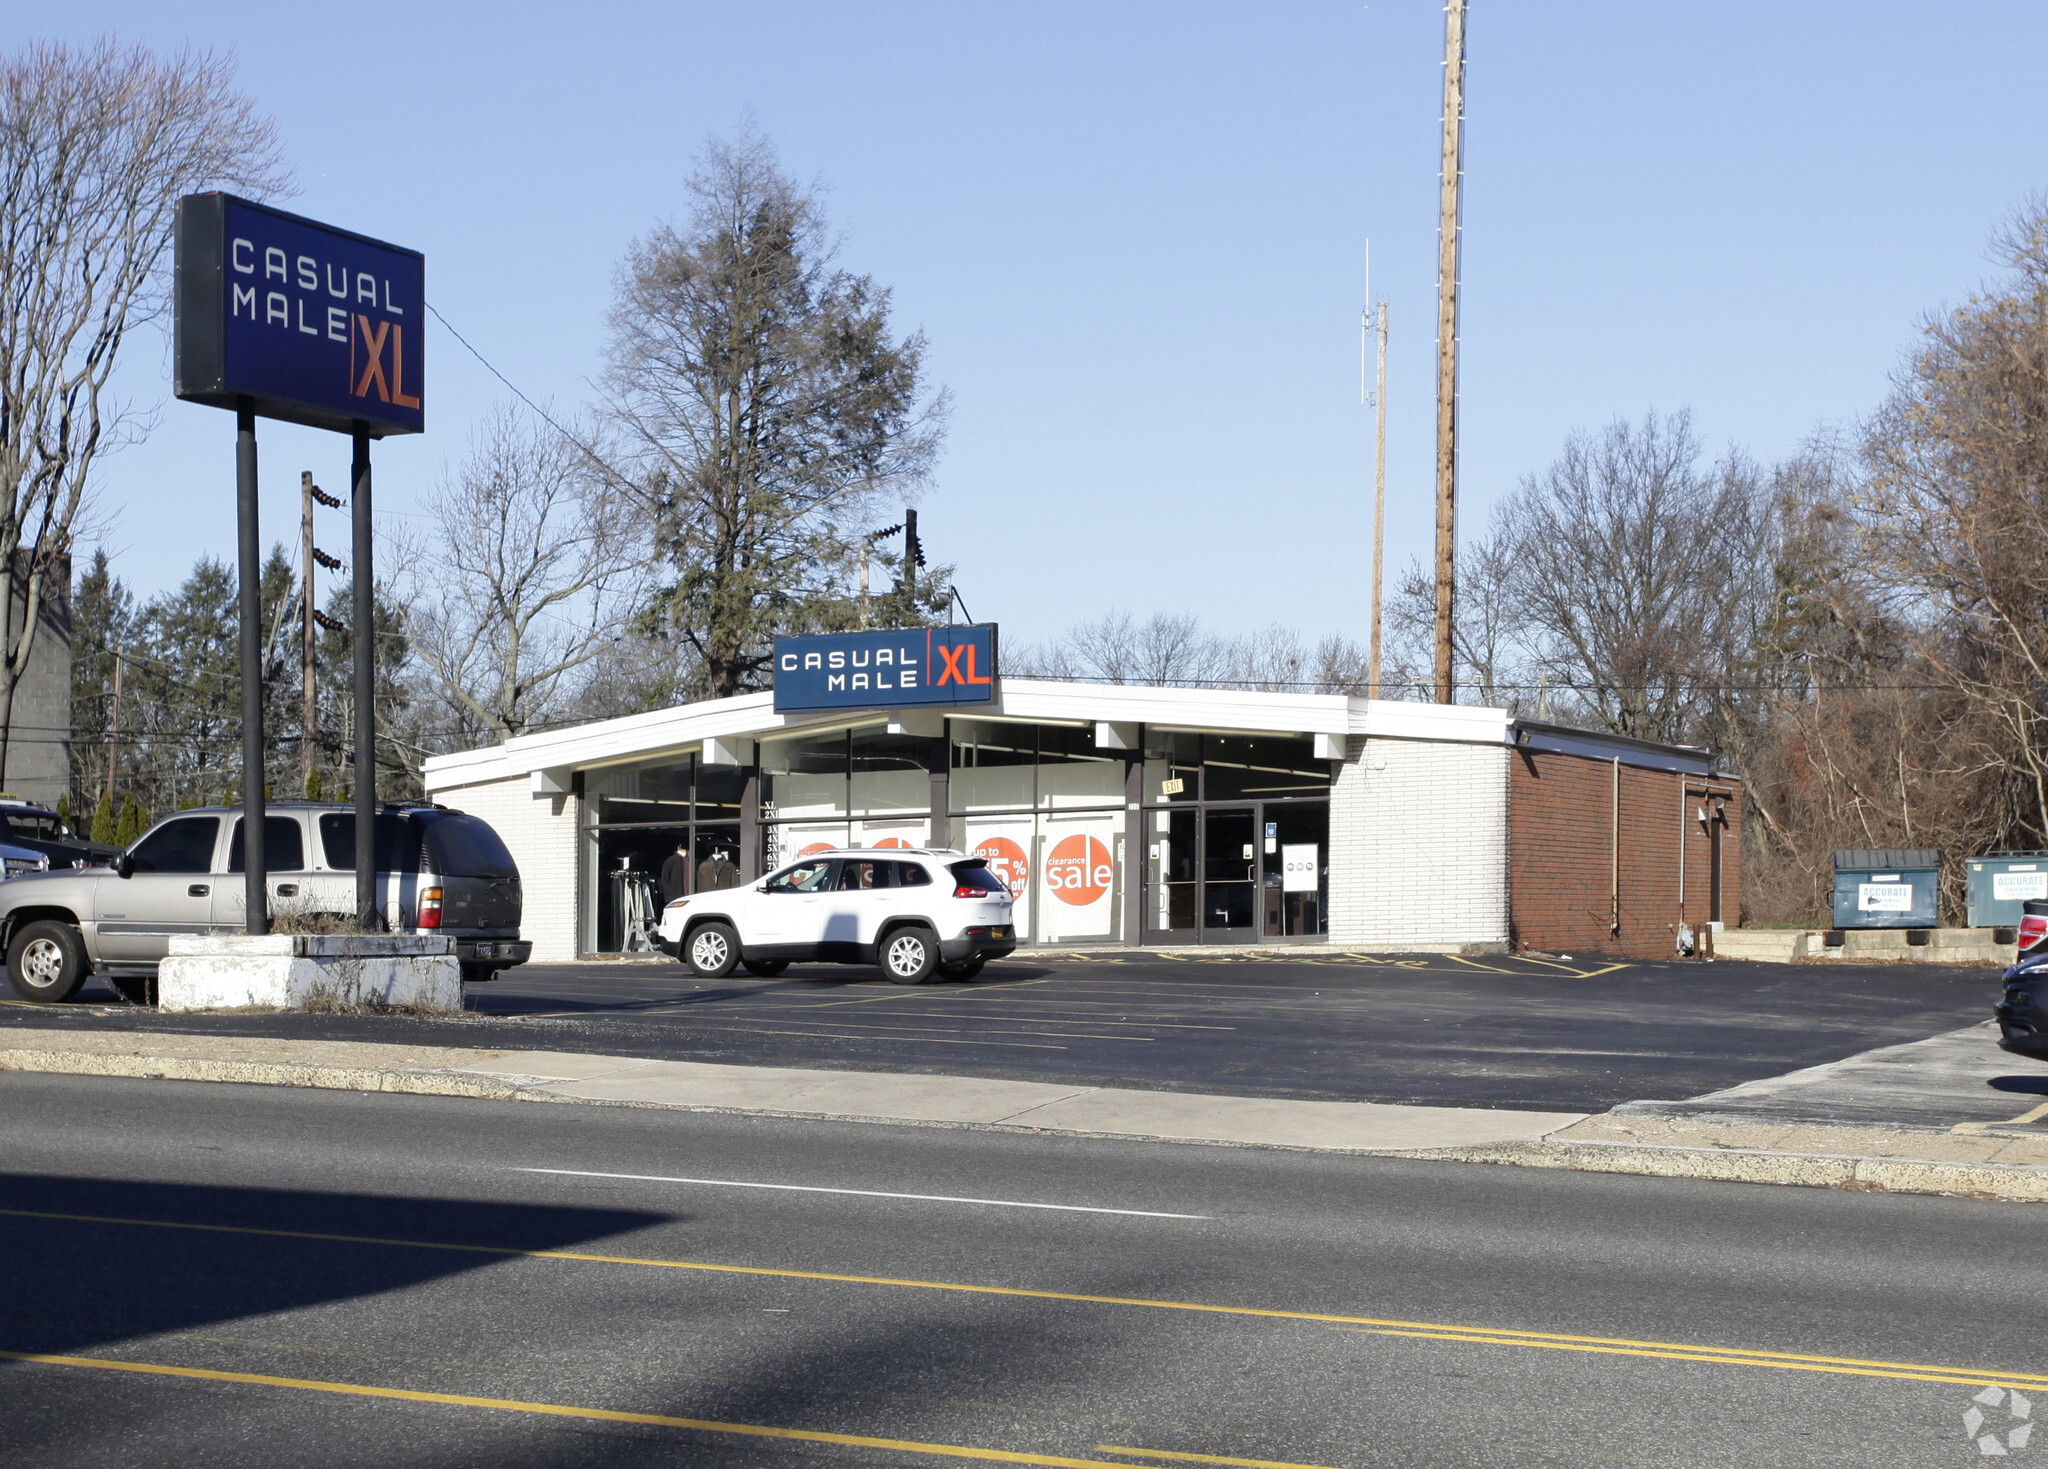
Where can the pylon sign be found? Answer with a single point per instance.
(298, 320)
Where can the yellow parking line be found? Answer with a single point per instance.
(556, 1410)
(1755, 1357)
(2035, 1114)
(925, 1040)
(1110, 1448)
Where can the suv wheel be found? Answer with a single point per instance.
(712, 951)
(47, 961)
(909, 955)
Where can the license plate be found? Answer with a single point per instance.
(487, 951)
(999, 933)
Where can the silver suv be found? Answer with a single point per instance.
(438, 871)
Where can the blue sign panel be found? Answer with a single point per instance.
(301, 321)
(872, 670)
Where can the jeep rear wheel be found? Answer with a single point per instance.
(909, 955)
(47, 962)
(712, 950)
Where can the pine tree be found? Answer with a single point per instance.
(104, 826)
(134, 822)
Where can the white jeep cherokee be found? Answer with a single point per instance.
(912, 912)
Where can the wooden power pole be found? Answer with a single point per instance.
(1448, 241)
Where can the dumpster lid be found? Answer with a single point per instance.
(1853, 857)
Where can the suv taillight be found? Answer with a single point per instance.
(2033, 928)
(968, 890)
(430, 908)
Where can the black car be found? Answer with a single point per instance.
(25, 824)
(2023, 1013)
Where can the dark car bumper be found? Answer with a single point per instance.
(2023, 1013)
(986, 943)
(499, 953)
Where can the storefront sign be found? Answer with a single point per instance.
(309, 323)
(873, 670)
(1300, 869)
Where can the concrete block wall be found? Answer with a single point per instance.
(540, 832)
(1561, 828)
(1418, 845)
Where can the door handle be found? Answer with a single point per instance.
(287, 890)
(198, 890)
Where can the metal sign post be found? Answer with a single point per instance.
(284, 317)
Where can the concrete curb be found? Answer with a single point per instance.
(2006, 1182)
(1985, 1181)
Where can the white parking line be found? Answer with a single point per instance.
(866, 1193)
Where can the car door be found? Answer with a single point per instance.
(284, 861)
(860, 898)
(786, 917)
(169, 890)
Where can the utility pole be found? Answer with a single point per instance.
(1379, 495)
(1448, 242)
(913, 557)
(114, 734)
(308, 709)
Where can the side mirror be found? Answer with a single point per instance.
(124, 865)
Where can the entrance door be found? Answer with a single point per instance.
(1230, 876)
(1172, 872)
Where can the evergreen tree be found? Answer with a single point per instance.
(102, 625)
(104, 828)
(134, 822)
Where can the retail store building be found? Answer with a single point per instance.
(1134, 816)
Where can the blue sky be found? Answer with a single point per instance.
(1135, 236)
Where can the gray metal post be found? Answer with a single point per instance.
(368, 911)
(256, 899)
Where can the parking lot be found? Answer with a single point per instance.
(1431, 1029)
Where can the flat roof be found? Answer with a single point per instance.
(1248, 711)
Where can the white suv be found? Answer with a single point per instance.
(911, 912)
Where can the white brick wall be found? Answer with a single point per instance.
(1419, 845)
(541, 833)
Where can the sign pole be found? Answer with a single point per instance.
(255, 895)
(368, 910)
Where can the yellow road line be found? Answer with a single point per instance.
(1711, 1355)
(2034, 1114)
(1110, 1448)
(556, 1410)
(1878, 1367)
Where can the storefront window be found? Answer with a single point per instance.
(993, 765)
(1065, 871)
(892, 773)
(718, 792)
(1173, 768)
(1261, 768)
(655, 790)
(804, 776)
(1073, 772)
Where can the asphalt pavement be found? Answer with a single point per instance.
(1478, 1031)
(266, 1276)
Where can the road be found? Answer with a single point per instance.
(1485, 1031)
(330, 1278)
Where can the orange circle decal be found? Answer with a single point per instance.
(1078, 871)
(1006, 860)
(815, 847)
(892, 842)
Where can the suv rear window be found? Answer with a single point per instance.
(463, 846)
(976, 874)
(398, 841)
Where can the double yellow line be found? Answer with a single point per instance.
(1378, 1326)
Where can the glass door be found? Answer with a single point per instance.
(1230, 876)
(1172, 888)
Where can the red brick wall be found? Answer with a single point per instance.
(1560, 834)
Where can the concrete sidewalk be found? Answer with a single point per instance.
(1986, 1160)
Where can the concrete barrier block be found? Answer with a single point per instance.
(328, 972)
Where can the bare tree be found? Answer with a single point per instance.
(771, 411)
(1955, 513)
(96, 147)
(1487, 650)
(1636, 575)
(534, 563)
